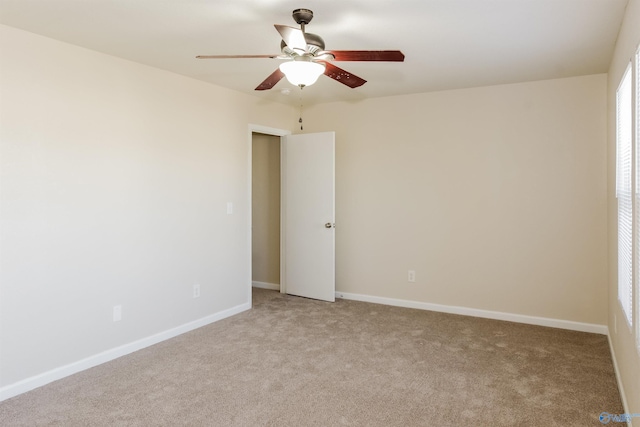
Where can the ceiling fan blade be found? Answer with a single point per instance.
(271, 81)
(342, 76)
(368, 55)
(234, 56)
(293, 37)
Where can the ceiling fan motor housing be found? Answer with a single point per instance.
(315, 44)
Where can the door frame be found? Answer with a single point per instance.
(253, 128)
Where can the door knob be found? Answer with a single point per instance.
(329, 225)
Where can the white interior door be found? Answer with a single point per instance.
(308, 215)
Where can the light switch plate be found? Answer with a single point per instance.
(117, 313)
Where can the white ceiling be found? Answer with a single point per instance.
(448, 44)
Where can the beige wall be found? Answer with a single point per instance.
(115, 183)
(495, 196)
(624, 345)
(265, 209)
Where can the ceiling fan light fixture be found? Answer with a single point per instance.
(302, 72)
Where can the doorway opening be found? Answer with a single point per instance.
(265, 211)
(292, 235)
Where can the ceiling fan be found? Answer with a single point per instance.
(306, 57)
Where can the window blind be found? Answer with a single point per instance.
(624, 193)
(636, 290)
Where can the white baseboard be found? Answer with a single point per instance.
(519, 318)
(623, 396)
(31, 383)
(265, 285)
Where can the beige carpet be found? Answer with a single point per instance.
(297, 362)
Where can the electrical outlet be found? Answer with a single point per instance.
(117, 313)
(196, 290)
(229, 208)
(411, 276)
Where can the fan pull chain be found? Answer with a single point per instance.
(300, 119)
